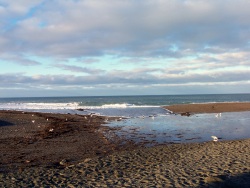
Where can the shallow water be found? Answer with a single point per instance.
(182, 129)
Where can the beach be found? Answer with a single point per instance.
(210, 107)
(68, 150)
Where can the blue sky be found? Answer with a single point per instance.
(124, 47)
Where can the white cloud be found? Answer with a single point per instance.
(172, 42)
(75, 28)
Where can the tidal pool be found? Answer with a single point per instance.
(181, 129)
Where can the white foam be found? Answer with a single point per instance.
(38, 106)
(123, 105)
(70, 106)
(119, 105)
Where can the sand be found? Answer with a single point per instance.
(209, 107)
(40, 139)
(212, 164)
(77, 154)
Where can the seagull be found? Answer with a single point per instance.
(218, 115)
(214, 138)
(141, 117)
(33, 121)
(92, 114)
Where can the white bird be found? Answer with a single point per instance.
(47, 119)
(33, 121)
(51, 130)
(215, 138)
(218, 115)
(141, 117)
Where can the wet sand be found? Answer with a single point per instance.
(212, 164)
(209, 107)
(39, 150)
(40, 139)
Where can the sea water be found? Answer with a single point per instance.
(113, 105)
(145, 119)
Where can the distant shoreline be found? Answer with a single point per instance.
(210, 107)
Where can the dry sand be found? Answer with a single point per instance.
(209, 107)
(96, 161)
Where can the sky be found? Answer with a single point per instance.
(124, 47)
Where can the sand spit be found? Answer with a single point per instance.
(209, 107)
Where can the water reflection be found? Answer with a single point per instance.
(180, 129)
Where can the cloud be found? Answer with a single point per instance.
(93, 43)
(73, 68)
(129, 78)
(13, 12)
(18, 59)
(130, 28)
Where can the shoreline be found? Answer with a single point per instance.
(209, 107)
(46, 139)
(62, 150)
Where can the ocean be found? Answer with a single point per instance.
(112, 105)
(144, 118)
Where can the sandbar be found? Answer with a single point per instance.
(210, 107)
